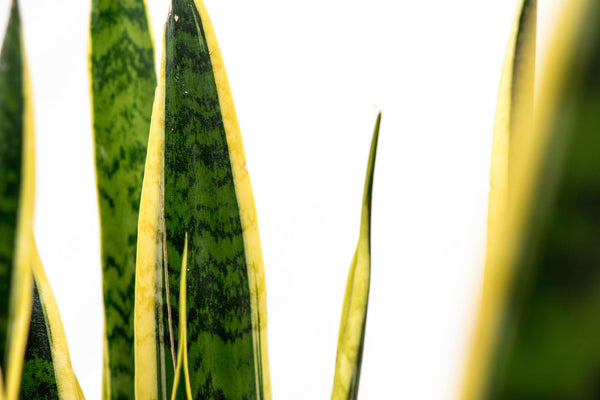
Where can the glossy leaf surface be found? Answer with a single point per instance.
(196, 184)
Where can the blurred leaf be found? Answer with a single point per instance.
(354, 314)
(16, 206)
(549, 345)
(542, 284)
(196, 182)
(123, 80)
(512, 126)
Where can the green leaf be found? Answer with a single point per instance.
(34, 359)
(512, 126)
(542, 284)
(123, 80)
(356, 300)
(549, 346)
(182, 358)
(196, 182)
(16, 206)
(47, 370)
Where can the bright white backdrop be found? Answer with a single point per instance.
(308, 78)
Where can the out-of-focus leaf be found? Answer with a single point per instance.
(550, 347)
(356, 299)
(512, 125)
(546, 330)
(123, 80)
(17, 171)
(196, 182)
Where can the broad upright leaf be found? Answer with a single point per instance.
(196, 183)
(354, 313)
(16, 206)
(123, 80)
(512, 125)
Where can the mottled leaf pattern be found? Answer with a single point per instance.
(123, 80)
(201, 190)
(38, 371)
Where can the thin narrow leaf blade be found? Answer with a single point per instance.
(354, 313)
(123, 80)
(16, 205)
(512, 126)
(182, 362)
(203, 189)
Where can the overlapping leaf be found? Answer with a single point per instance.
(354, 313)
(196, 184)
(16, 207)
(34, 358)
(512, 125)
(542, 277)
(123, 80)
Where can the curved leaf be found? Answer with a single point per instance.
(512, 125)
(550, 346)
(17, 171)
(356, 300)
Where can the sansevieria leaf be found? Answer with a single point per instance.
(47, 373)
(544, 306)
(512, 125)
(17, 169)
(354, 313)
(196, 184)
(34, 361)
(123, 80)
(551, 348)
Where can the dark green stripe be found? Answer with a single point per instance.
(38, 381)
(200, 200)
(522, 84)
(11, 143)
(123, 82)
(551, 347)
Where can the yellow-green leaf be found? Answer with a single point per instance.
(34, 360)
(123, 80)
(354, 313)
(17, 169)
(540, 299)
(196, 183)
(512, 126)
(47, 373)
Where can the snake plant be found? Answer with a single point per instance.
(183, 276)
(537, 331)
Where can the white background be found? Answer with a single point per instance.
(308, 79)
